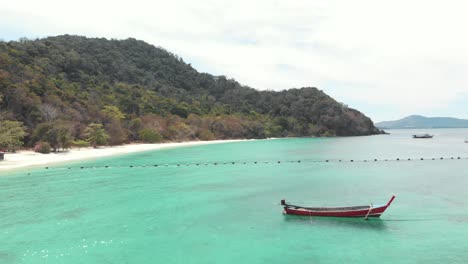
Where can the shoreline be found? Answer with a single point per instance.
(29, 158)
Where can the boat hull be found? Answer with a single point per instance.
(353, 211)
(423, 136)
(374, 212)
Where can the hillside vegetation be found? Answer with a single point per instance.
(75, 90)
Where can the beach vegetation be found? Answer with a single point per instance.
(206, 134)
(80, 144)
(42, 147)
(96, 135)
(11, 135)
(58, 135)
(134, 128)
(328, 133)
(117, 133)
(150, 136)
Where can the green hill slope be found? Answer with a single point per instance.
(140, 92)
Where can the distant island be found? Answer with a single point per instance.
(417, 121)
(67, 90)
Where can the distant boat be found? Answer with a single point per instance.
(351, 211)
(422, 136)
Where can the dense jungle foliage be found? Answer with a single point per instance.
(69, 90)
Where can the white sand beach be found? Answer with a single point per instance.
(28, 158)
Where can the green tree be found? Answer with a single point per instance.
(113, 112)
(42, 147)
(64, 137)
(134, 127)
(40, 133)
(116, 132)
(56, 134)
(96, 135)
(150, 136)
(11, 135)
(206, 134)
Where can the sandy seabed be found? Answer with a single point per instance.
(26, 158)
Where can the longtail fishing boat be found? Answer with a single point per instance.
(350, 211)
(423, 136)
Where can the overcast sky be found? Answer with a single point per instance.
(387, 59)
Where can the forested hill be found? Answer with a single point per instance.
(417, 121)
(137, 92)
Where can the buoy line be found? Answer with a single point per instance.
(201, 164)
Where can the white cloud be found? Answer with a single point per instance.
(388, 59)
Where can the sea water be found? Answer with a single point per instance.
(226, 209)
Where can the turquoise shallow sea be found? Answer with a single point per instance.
(135, 212)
